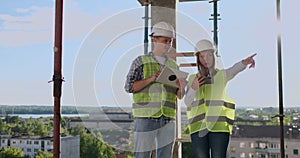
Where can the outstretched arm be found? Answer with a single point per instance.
(240, 66)
(250, 61)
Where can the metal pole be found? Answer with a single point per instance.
(281, 115)
(57, 77)
(215, 22)
(146, 42)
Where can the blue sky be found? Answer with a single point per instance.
(101, 40)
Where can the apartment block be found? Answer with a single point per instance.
(31, 145)
(263, 142)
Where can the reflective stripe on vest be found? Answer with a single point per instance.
(156, 99)
(212, 109)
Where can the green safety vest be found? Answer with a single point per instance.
(212, 110)
(155, 99)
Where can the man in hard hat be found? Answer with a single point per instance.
(154, 104)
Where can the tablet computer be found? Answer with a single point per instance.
(169, 75)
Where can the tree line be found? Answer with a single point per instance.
(42, 109)
(91, 144)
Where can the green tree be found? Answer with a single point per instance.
(13, 119)
(29, 126)
(12, 153)
(44, 154)
(78, 130)
(64, 126)
(92, 145)
(1, 126)
(39, 128)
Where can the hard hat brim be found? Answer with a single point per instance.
(212, 50)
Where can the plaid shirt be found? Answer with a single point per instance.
(135, 73)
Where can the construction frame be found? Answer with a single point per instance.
(57, 78)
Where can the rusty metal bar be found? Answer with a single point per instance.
(57, 77)
(183, 54)
(188, 65)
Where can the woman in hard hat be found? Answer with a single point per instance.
(210, 110)
(154, 104)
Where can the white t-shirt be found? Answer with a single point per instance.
(160, 59)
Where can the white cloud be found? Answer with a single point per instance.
(17, 38)
(36, 25)
(32, 25)
(22, 10)
(39, 18)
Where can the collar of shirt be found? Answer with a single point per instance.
(159, 59)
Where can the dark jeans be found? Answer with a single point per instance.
(213, 143)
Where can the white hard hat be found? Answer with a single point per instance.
(163, 29)
(204, 45)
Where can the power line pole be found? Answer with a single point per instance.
(57, 77)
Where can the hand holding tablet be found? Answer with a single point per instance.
(169, 76)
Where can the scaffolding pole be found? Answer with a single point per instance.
(146, 42)
(57, 77)
(280, 89)
(215, 19)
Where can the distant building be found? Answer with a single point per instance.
(263, 142)
(107, 120)
(262, 148)
(70, 147)
(31, 145)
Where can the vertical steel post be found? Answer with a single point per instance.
(146, 42)
(215, 22)
(281, 115)
(57, 77)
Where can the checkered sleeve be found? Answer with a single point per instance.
(135, 74)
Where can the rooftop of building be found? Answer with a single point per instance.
(252, 131)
